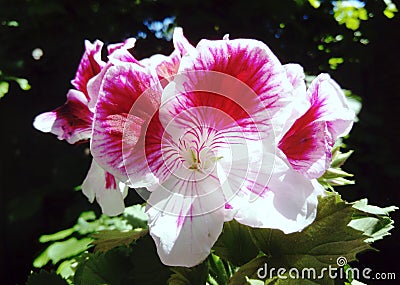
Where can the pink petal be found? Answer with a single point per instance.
(185, 224)
(333, 106)
(129, 43)
(242, 78)
(103, 186)
(116, 126)
(296, 76)
(307, 145)
(90, 65)
(71, 122)
(94, 85)
(181, 44)
(165, 66)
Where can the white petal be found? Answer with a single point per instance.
(290, 204)
(111, 200)
(185, 220)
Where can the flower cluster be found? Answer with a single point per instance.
(215, 132)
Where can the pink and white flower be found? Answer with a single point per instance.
(215, 132)
(203, 144)
(73, 121)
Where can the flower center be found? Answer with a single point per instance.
(196, 150)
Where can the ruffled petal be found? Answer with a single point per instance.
(290, 204)
(120, 115)
(90, 65)
(181, 44)
(332, 104)
(129, 43)
(296, 76)
(109, 193)
(71, 122)
(308, 143)
(242, 78)
(185, 223)
(94, 85)
(165, 66)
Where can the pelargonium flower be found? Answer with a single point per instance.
(203, 141)
(73, 121)
(215, 132)
(324, 116)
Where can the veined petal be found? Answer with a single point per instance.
(115, 123)
(181, 43)
(242, 78)
(71, 122)
(129, 43)
(290, 204)
(332, 104)
(296, 76)
(165, 66)
(94, 85)
(185, 223)
(307, 145)
(247, 170)
(108, 192)
(90, 65)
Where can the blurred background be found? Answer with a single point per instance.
(41, 42)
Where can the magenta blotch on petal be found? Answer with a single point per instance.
(71, 122)
(122, 85)
(308, 143)
(89, 66)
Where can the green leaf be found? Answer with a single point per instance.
(389, 14)
(67, 268)
(339, 158)
(196, 275)
(136, 216)
(23, 83)
(57, 236)
(62, 250)
(4, 85)
(111, 268)
(390, 9)
(249, 270)
(219, 273)
(146, 262)
(45, 278)
(137, 264)
(316, 246)
(315, 3)
(334, 175)
(254, 281)
(235, 244)
(108, 239)
(373, 221)
(362, 205)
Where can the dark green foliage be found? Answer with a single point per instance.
(38, 173)
(45, 278)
